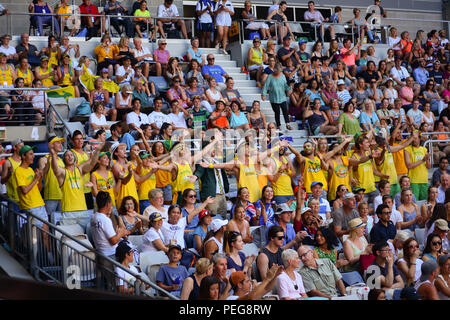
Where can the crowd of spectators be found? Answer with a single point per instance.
(348, 212)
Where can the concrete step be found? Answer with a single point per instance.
(238, 76)
(244, 83)
(249, 90)
(225, 64)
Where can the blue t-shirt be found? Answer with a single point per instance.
(199, 231)
(196, 55)
(170, 276)
(313, 96)
(269, 211)
(268, 71)
(236, 121)
(290, 232)
(214, 71)
(231, 264)
(194, 222)
(365, 118)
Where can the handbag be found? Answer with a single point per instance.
(83, 109)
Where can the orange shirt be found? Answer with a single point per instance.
(222, 122)
(399, 160)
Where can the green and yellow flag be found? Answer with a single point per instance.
(65, 92)
(87, 80)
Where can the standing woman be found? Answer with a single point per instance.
(223, 12)
(163, 178)
(205, 13)
(102, 178)
(277, 84)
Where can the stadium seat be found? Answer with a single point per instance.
(250, 249)
(420, 237)
(136, 240)
(73, 230)
(74, 254)
(61, 106)
(148, 259)
(159, 82)
(73, 104)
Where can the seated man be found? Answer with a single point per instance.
(64, 13)
(115, 8)
(271, 253)
(426, 285)
(320, 276)
(28, 50)
(157, 118)
(93, 23)
(172, 275)
(231, 94)
(383, 273)
(169, 11)
(213, 70)
(385, 229)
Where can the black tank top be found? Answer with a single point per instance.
(273, 258)
(195, 290)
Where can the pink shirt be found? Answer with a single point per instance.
(350, 59)
(406, 92)
(162, 56)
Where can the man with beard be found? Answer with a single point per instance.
(342, 216)
(384, 229)
(70, 180)
(443, 168)
(418, 162)
(281, 180)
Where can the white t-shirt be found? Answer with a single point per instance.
(164, 12)
(124, 278)
(38, 99)
(98, 121)
(121, 72)
(174, 231)
(103, 230)
(148, 238)
(158, 118)
(144, 51)
(272, 8)
(150, 209)
(418, 269)
(223, 18)
(399, 74)
(178, 120)
(138, 120)
(8, 51)
(206, 17)
(394, 42)
(285, 286)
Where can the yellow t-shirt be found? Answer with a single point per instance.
(6, 76)
(420, 173)
(140, 13)
(11, 184)
(283, 186)
(248, 178)
(33, 199)
(108, 52)
(388, 167)
(182, 182)
(364, 174)
(64, 11)
(106, 185)
(52, 191)
(47, 82)
(313, 172)
(147, 185)
(72, 189)
(82, 158)
(163, 178)
(128, 189)
(26, 77)
(340, 175)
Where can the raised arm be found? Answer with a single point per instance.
(87, 167)
(60, 173)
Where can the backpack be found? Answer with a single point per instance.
(83, 109)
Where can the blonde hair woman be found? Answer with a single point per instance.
(356, 244)
(191, 285)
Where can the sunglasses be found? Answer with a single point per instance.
(211, 59)
(163, 44)
(192, 196)
(434, 243)
(279, 237)
(414, 246)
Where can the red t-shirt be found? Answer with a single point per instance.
(350, 59)
(92, 9)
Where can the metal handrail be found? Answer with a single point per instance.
(51, 226)
(430, 148)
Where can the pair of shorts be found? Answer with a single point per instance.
(167, 193)
(41, 212)
(420, 190)
(143, 25)
(206, 27)
(52, 206)
(83, 218)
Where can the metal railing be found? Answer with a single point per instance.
(51, 254)
(107, 21)
(430, 143)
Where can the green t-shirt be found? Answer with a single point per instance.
(349, 126)
(139, 13)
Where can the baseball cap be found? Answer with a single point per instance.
(358, 189)
(348, 195)
(44, 58)
(203, 214)
(216, 224)
(441, 224)
(302, 41)
(305, 209)
(409, 293)
(144, 154)
(26, 148)
(15, 142)
(283, 207)
(174, 246)
(340, 82)
(217, 101)
(315, 183)
(8, 147)
(155, 216)
(427, 269)
(286, 37)
(103, 153)
(105, 70)
(237, 277)
(54, 138)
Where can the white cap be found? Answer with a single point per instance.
(306, 209)
(340, 81)
(216, 224)
(283, 207)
